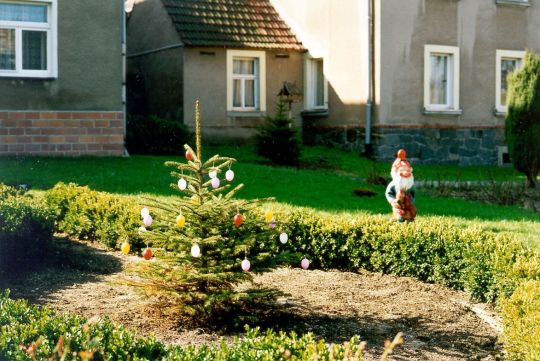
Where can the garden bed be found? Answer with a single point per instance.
(438, 323)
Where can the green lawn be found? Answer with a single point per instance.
(326, 183)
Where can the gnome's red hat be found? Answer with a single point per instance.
(401, 166)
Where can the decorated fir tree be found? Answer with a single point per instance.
(209, 241)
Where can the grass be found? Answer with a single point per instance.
(326, 182)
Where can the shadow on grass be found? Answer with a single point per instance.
(64, 264)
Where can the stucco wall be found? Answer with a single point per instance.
(205, 79)
(89, 63)
(337, 32)
(155, 76)
(477, 27)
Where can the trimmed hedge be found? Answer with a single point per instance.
(97, 216)
(492, 267)
(26, 227)
(22, 324)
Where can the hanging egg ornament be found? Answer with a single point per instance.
(147, 254)
(180, 221)
(195, 250)
(212, 174)
(305, 263)
(283, 237)
(144, 212)
(189, 156)
(147, 220)
(246, 265)
(269, 216)
(125, 248)
(182, 184)
(238, 220)
(229, 175)
(215, 183)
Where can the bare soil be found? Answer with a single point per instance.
(438, 323)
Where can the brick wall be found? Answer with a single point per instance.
(61, 133)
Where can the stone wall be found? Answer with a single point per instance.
(463, 146)
(61, 133)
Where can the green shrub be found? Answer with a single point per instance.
(96, 216)
(26, 226)
(277, 140)
(155, 135)
(521, 316)
(523, 118)
(21, 324)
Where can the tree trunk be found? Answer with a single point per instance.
(531, 180)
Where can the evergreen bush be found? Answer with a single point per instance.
(277, 140)
(96, 216)
(26, 227)
(523, 118)
(154, 135)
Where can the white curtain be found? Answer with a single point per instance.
(7, 49)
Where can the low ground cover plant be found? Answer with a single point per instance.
(26, 227)
(30, 332)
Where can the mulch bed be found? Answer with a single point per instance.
(438, 323)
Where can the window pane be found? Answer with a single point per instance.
(23, 12)
(237, 93)
(250, 93)
(319, 76)
(34, 50)
(244, 66)
(7, 49)
(439, 80)
(507, 66)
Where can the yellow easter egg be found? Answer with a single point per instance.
(125, 248)
(180, 221)
(268, 216)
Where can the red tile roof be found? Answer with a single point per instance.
(231, 23)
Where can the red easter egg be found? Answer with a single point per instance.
(189, 156)
(238, 220)
(147, 254)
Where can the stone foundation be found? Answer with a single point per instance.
(463, 146)
(61, 133)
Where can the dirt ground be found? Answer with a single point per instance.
(438, 323)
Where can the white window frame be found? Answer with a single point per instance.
(452, 107)
(525, 3)
(500, 55)
(260, 80)
(52, 41)
(310, 85)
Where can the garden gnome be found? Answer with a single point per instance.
(400, 192)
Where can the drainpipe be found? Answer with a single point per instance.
(368, 147)
(124, 71)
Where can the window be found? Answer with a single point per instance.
(246, 80)
(316, 87)
(506, 62)
(441, 79)
(28, 39)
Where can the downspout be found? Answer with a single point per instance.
(124, 71)
(368, 147)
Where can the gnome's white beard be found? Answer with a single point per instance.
(404, 183)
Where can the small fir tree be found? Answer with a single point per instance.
(523, 118)
(277, 140)
(211, 241)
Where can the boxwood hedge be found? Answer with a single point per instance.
(492, 267)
